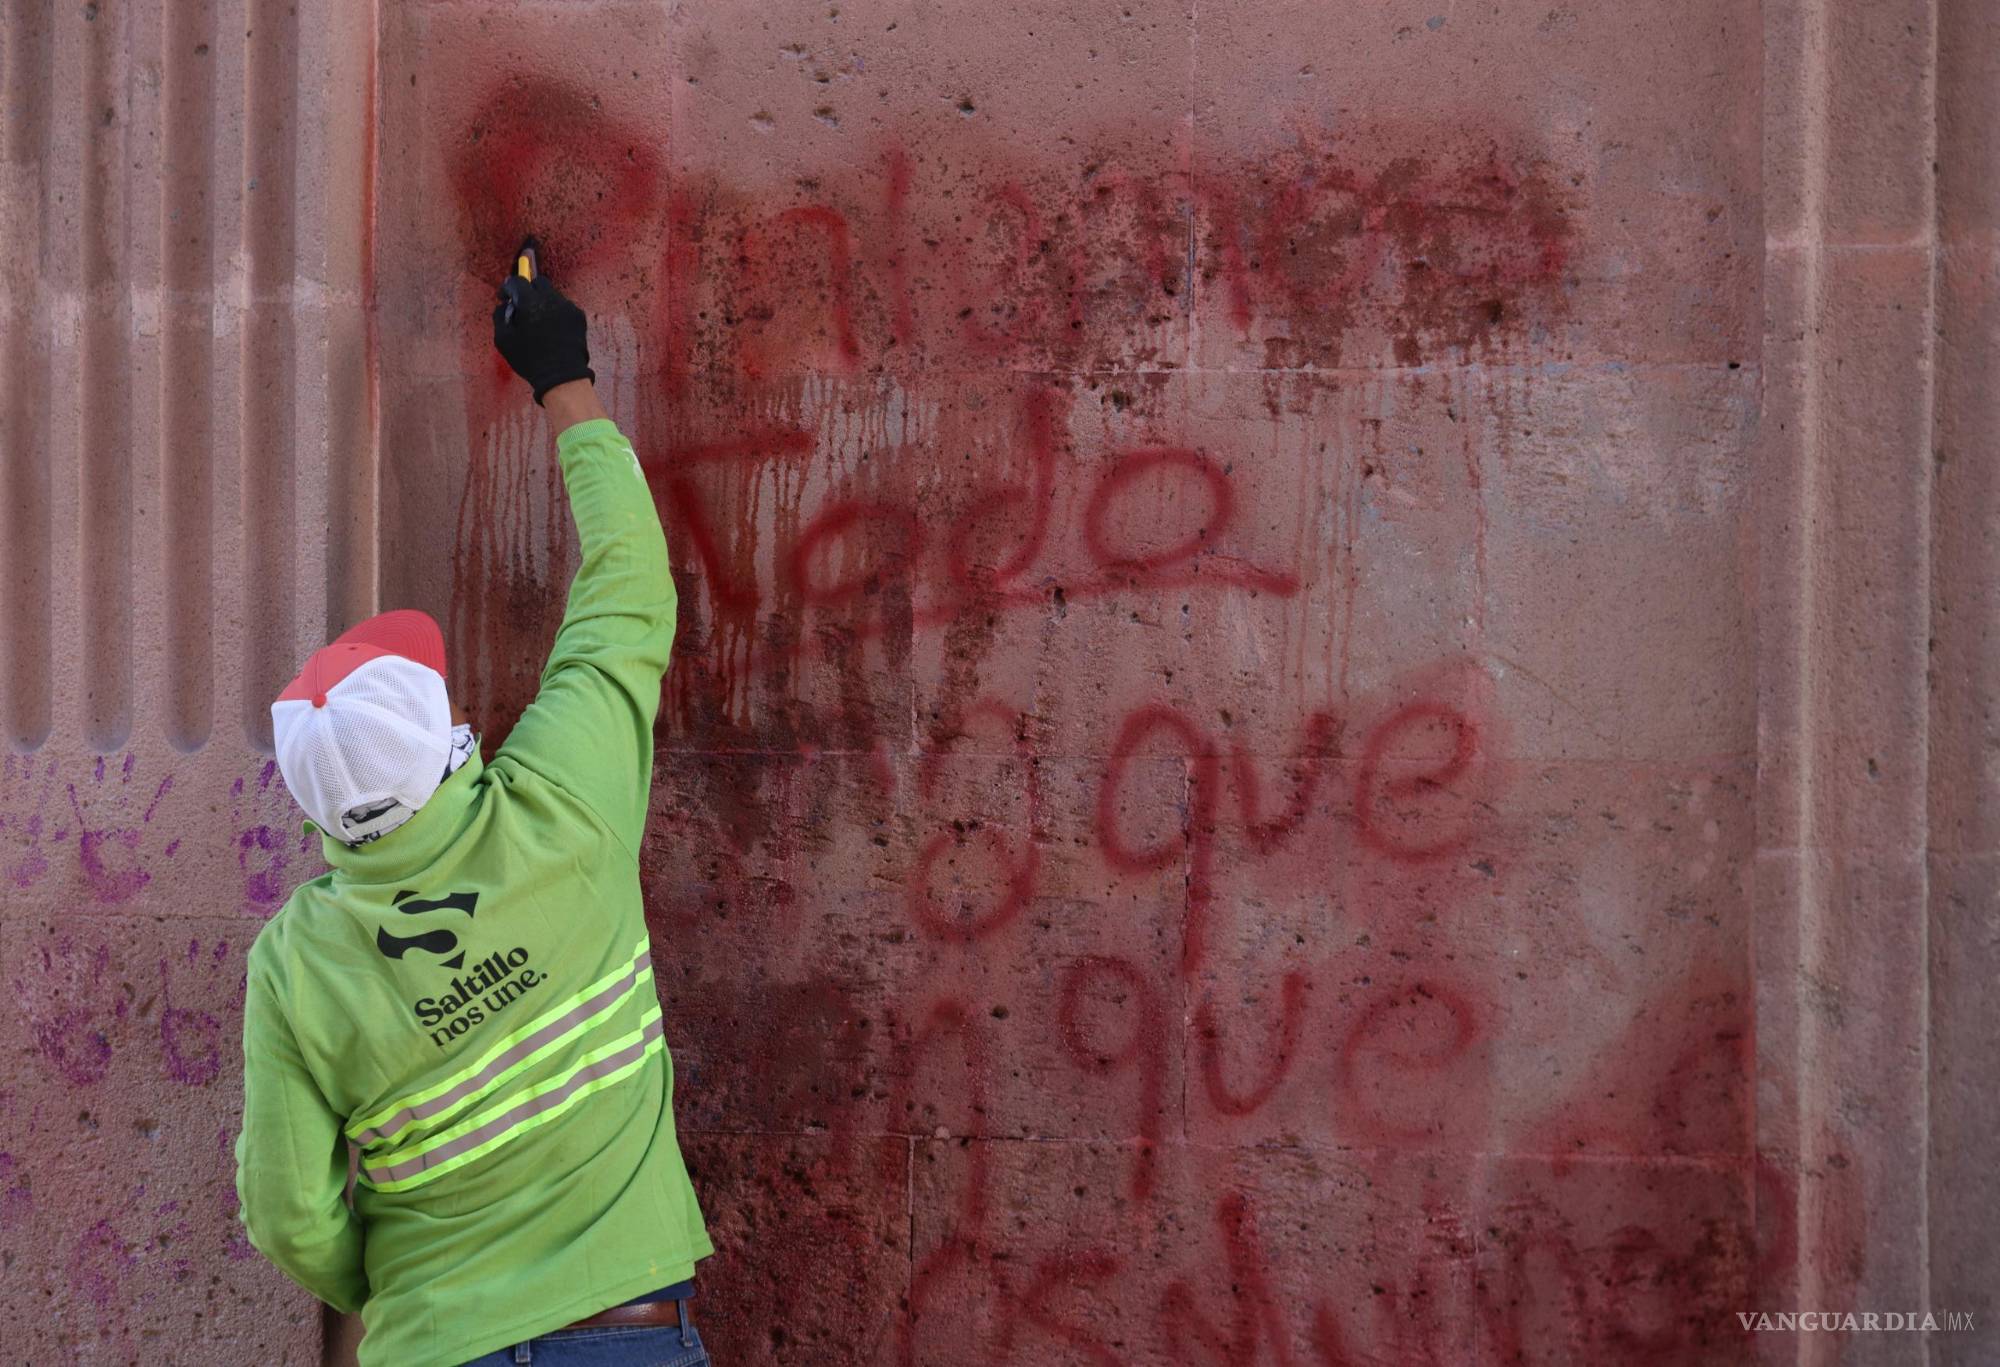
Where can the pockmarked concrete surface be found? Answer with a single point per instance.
(1333, 693)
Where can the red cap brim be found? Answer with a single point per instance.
(406, 632)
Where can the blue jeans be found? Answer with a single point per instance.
(610, 1345)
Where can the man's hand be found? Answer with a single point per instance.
(541, 334)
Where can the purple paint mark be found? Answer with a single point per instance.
(79, 1051)
(29, 870)
(111, 887)
(17, 1200)
(263, 851)
(95, 1266)
(265, 886)
(26, 871)
(71, 1038)
(115, 885)
(190, 1040)
(237, 1246)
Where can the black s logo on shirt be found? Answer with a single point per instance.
(438, 942)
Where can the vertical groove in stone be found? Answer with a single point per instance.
(269, 442)
(105, 460)
(336, 242)
(187, 372)
(24, 372)
(231, 579)
(149, 592)
(105, 398)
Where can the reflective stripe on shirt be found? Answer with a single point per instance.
(513, 1053)
(404, 1168)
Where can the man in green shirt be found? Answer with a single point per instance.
(466, 1002)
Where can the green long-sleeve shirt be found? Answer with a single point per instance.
(469, 1000)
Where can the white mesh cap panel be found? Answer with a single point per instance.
(383, 735)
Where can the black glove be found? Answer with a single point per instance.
(541, 334)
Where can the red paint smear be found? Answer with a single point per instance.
(1255, 1315)
(1320, 743)
(973, 583)
(997, 294)
(758, 270)
(1144, 1047)
(1197, 836)
(1284, 1048)
(1138, 724)
(1394, 1083)
(1087, 1270)
(968, 1232)
(901, 538)
(1018, 871)
(537, 156)
(1407, 785)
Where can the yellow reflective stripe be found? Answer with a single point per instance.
(416, 1130)
(509, 1135)
(418, 1148)
(357, 1128)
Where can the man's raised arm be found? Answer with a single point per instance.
(590, 727)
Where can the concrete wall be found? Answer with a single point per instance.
(1334, 687)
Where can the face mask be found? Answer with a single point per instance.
(359, 825)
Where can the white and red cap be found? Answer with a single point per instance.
(364, 732)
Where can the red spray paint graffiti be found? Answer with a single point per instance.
(1025, 875)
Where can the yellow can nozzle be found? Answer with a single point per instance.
(527, 260)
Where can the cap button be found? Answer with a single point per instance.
(319, 700)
